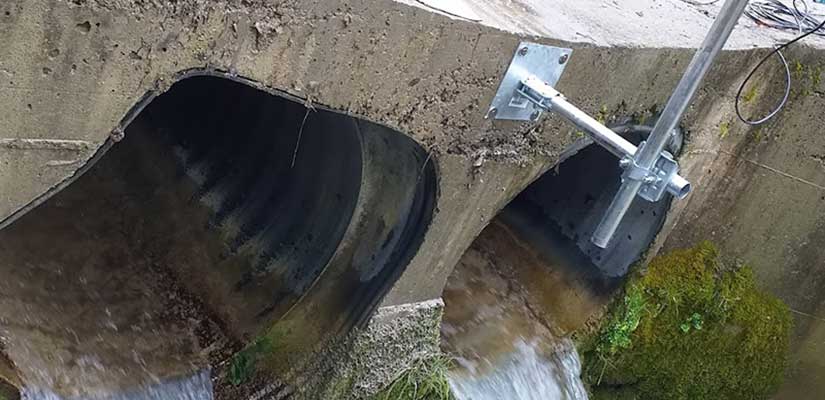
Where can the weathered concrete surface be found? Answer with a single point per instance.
(72, 70)
(359, 364)
(619, 23)
(364, 362)
(760, 197)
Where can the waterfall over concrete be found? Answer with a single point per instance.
(511, 304)
(194, 387)
(525, 374)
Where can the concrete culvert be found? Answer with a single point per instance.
(220, 209)
(533, 277)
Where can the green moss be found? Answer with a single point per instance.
(616, 334)
(602, 115)
(642, 117)
(810, 76)
(690, 328)
(750, 95)
(798, 70)
(426, 380)
(8, 392)
(244, 363)
(756, 135)
(724, 129)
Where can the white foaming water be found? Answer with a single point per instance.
(195, 387)
(524, 374)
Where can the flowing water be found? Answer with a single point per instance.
(526, 374)
(509, 309)
(194, 387)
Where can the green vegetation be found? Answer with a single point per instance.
(642, 117)
(426, 380)
(724, 129)
(810, 76)
(750, 95)
(8, 392)
(243, 364)
(798, 70)
(602, 115)
(689, 328)
(756, 135)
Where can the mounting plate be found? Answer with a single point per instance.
(531, 59)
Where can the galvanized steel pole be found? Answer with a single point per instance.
(676, 106)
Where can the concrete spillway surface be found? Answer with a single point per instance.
(219, 211)
(532, 278)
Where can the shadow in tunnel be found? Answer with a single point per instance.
(222, 208)
(533, 278)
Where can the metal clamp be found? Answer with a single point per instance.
(656, 180)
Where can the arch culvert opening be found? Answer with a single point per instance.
(532, 278)
(220, 210)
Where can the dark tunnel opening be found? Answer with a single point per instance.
(533, 276)
(221, 209)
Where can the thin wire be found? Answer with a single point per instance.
(798, 16)
(776, 14)
(701, 3)
(785, 97)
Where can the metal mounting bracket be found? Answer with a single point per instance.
(655, 180)
(662, 176)
(527, 89)
(545, 63)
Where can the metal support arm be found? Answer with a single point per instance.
(662, 176)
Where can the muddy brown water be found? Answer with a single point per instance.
(511, 304)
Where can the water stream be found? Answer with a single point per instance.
(525, 374)
(510, 308)
(194, 387)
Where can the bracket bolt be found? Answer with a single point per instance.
(117, 134)
(625, 162)
(535, 115)
(563, 58)
(650, 179)
(491, 113)
(523, 51)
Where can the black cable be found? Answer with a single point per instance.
(777, 51)
(776, 14)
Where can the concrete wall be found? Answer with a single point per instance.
(72, 70)
(761, 197)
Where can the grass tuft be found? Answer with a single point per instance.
(426, 380)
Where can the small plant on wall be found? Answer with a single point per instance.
(426, 380)
(690, 327)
